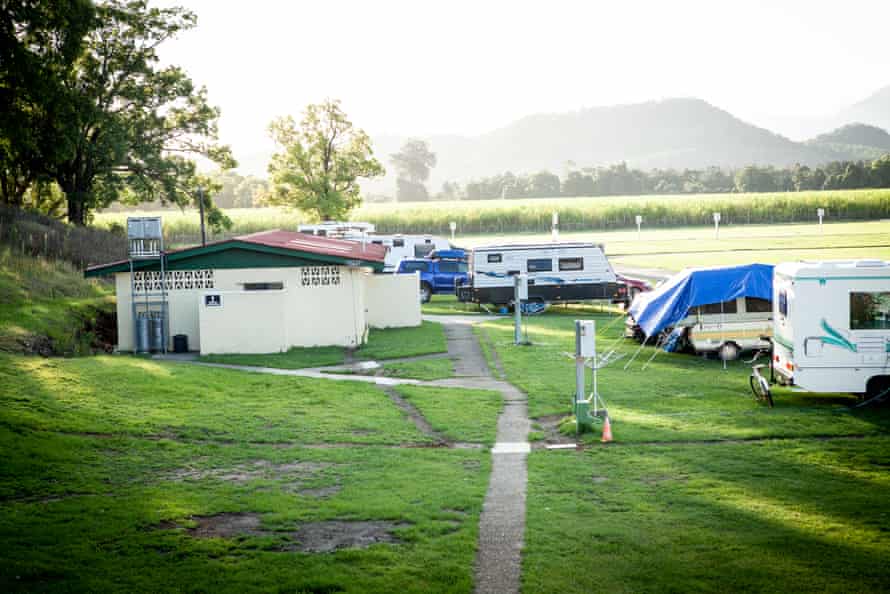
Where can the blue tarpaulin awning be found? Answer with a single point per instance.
(668, 303)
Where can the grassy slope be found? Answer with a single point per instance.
(389, 343)
(771, 517)
(678, 397)
(41, 298)
(96, 449)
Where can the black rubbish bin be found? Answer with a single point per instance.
(181, 343)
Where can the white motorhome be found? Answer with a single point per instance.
(831, 328)
(556, 272)
(398, 246)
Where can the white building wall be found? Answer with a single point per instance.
(323, 308)
(392, 300)
(245, 322)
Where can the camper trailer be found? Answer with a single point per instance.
(398, 247)
(557, 272)
(831, 325)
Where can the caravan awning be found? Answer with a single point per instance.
(669, 302)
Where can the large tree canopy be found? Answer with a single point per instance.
(318, 166)
(133, 124)
(39, 42)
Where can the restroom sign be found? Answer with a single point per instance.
(213, 300)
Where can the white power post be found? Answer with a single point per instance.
(639, 220)
(520, 295)
(820, 212)
(717, 225)
(555, 226)
(453, 226)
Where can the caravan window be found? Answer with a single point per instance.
(870, 311)
(539, 265)
(398, 242)
(783, 303)
(422, 250)
(571, 263)
(727, 307)
(756, 305)
(494, 258)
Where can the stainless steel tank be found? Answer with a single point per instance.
(142, 332)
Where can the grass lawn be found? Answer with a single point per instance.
(796, 516)
(444, 305)
(424, 369)
(131, 396)
(678, 397)
(389, 343)
(125, 474)
(461, 415)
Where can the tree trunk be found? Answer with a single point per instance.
(77, 209)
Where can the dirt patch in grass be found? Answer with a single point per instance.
(311, 537)
(549, 427)
(253, 470)
(326, 537)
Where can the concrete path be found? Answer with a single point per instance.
(502, 522)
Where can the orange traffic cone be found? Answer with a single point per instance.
(607, 431)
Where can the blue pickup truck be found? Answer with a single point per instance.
(439, 273)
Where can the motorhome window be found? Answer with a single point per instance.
(398, 243)
(494, 258)
(377, 241)
(539, 265)
(571, 263)
(415, 266)
(423, 249)
(727, 307)
(321, 232)
(783, 303)
(870, 311)
(277, 286)
(757, 305)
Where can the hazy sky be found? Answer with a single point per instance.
(467, 67)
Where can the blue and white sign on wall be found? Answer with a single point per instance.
(213, 300)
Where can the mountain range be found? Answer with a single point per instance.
(673, 133)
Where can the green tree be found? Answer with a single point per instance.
(132, 125)
(39, 42)
(413, 163)
(320, 162)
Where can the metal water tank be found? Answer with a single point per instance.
(142, 332)
(157, 331)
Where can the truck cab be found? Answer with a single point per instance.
(439, 274)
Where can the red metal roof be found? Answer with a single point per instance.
(369, 253)
(304, 242)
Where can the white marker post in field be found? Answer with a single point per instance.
(639, 220)
(453, 226)
(555, 226)
(717, 225)
(820, 212)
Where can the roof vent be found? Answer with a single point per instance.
(871, 264)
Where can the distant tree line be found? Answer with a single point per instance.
(618, 180)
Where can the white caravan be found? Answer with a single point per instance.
(556, 272)
(729, 328)
(398, 247)
(831, 325)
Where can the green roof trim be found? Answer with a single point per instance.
(233, 253)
